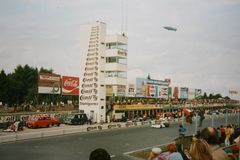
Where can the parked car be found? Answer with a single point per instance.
(42, 121)
(77, 118)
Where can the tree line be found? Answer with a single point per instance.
(21, 87)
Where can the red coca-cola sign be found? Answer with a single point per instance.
(70, 85)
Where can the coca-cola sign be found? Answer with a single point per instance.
(70, 85)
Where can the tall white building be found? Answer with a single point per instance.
(103, 67)
(116, 64)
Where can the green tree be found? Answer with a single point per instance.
(15, 90)
(44, 70)
(217, 96)
(3, 86)
(205, 96)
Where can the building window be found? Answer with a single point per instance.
(111, 59)
(121, 60)
(116, 74)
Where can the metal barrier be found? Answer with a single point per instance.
(224, 118)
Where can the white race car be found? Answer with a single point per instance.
(161, 124)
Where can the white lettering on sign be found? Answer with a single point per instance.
(71, 83)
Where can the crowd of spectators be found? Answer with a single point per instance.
(206, 145)
(172, 101)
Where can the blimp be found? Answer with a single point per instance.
(170, 28)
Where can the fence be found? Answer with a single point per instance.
(229, 117)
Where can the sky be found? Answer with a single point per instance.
(203, 52)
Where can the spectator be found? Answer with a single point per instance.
(174, 155)
(184, 155)
(202, 117)
(99, 154)
(200, 150)
(181, 132)
(232, 134)
(210, 135)
(228, 133)
(222, 138)
(154, 153)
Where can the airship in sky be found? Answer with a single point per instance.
(170, 28)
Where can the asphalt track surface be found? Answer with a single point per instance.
(115, 141)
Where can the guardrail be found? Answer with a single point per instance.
(80, 129)
(90, 128)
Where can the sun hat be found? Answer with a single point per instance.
(156, 150)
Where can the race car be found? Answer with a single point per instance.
(160, 124)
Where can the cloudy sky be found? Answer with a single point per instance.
(203, 53)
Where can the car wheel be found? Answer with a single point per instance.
(58, 124)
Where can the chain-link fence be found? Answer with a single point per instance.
(218, 118)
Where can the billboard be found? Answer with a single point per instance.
(141, 87)
(49, 83)
(191, 93)
(70, 85)
(121, 89)
(183, 93)
(131, 90)
(163, 92)
(198, 93)
(175, 93)
(152, 91)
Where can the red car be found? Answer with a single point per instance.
(42, 121)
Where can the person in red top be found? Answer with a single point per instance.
(222, 130)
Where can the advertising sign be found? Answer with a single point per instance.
(49, 83)
(163, 92)
(121, 89)
(141, 87)
(191, 93)
(70, 85)
(175, 93)
(131, 90)
(183, 93)
(152, 91)
(233, 92)
(198, 93)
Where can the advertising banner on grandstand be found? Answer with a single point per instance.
(121, 89)
(163, 92)
(70, 85)
(131, 90)
(191, 93)
(183, 93)
(141, 87)
(176, 93)
(198, 93)
(233, 92)
(170, 92)
(152, 91)
(49, 83)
